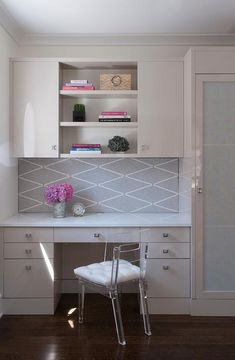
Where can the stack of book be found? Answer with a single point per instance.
(91, 149)
(78, 85)
(114, 116)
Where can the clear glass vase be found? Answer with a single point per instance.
(59, 209)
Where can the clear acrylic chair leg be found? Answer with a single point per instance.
(117, 317)
(81, 297)
(144, 308)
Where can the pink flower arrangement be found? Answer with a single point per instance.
(58, 193)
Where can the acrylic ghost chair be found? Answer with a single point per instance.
(128, 264)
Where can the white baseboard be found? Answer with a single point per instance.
(210, 307)
(28, 306)
(171, 306)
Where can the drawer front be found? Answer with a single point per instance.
(28, 250)
(169, 250)
(168, 278)
(90, 235)
(28, 235)
(27, 278)
(170, 234)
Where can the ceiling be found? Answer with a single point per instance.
(118, 17)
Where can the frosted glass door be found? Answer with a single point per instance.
(215, 186)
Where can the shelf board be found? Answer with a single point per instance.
(103, 155)
(100, 93)
(98, 124)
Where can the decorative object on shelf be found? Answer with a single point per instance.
(115, 81)
(78, 209)
(79, 113)
(118, 143)
(58, 195)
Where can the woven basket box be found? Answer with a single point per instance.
(115, 81)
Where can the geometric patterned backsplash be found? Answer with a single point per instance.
(137, 185)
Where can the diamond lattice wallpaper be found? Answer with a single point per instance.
(103, 185)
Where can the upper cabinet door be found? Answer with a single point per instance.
(160, 108)
(35, 108)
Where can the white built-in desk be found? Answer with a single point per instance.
(40, 253)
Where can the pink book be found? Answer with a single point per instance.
(78, 87)
(114, 113)
(85, 145)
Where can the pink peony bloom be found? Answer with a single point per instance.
(58, 193)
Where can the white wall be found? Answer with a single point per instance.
(8, 166)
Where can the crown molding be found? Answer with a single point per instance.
(9, 24)
(126, 40)
(14, 30)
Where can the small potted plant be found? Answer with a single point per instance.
(118, 144)
(79, 112)
(58, 195)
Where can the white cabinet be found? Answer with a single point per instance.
(29, 271)
(27, 279)
(168, 278)
(160, 108)
(35, 108)
(43, 113)
(168, 270)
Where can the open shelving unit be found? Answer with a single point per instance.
(96, 101)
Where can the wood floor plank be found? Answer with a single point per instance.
(59, 337)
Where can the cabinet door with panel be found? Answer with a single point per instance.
(160, 108)
(35, 108)
(214, 194)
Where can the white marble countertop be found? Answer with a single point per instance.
(98, 220)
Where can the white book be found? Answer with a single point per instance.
(79, 81)
(114, 116)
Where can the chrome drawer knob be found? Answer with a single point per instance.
(28, 235)
(165, 251)
(165, 235)
(28, 267)
(96, 235)
(165, 267)
(28, 251)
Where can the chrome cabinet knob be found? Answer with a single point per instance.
(165, 235)
(165, 251)
(165, 267)
(144, 147)
(28, 267)
(28, 251)
(53, 147)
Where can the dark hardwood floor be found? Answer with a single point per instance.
(59, 337)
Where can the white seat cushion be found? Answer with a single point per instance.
(100, 273)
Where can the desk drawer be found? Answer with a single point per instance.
(90, 235)
(168, 278)
(166, 234)
(28, 235)
(28, 251)
(27, 278)
(169, 250)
